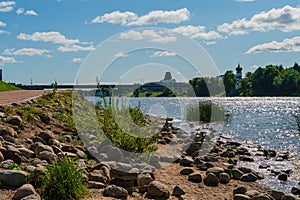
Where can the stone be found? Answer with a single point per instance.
(248, 178)
(26, 152)
(283, 177)
(32, 197)
(241, 197)
(157, 189)
(224, 178)
(1, 157)
(45, 135)
(47, 155)
(211, 180)
(115, 154)
(277, 195)
(210, 159)
(261, 197)
(13, 178)
(15, 120)
(39, 147)
(246, 159)
(237, 174)
(143, 180)
(98, 176)
(215, 170)
(177, 191)
(205, 166)
(97, 185)
(24, 191)
(195, 146)
(6, 130)
(245, 170)
(240, 190)
(289, 197)
(186, 162)
(228, 153)
(195, 177)
(252, 193)
(115, 191)
(295, 191)
(186, 171)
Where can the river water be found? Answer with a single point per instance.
(263, 121)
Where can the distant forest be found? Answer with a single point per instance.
(272, 80)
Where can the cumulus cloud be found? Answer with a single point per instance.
(128, 18)
(76, 60)
(3, 32)
(20, 11)
(27, 52)
(197, 32)
(31, 12)
(149, 35)
(75, 48)
(286, 19)
(2, 24)
(287, 45)
(4, 60)
(163, 54)
(7, 6)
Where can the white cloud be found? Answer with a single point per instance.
(197, 32)
(7, 6)
(3, 32)
(286, 19)
(75, 48)
(163, 54)
(154, 17)
(120, 54)
(149, 35)
(76, 60)
(254, 67)
(20, 11)
(55, 37)
(287, 45)
(211, 43)
(2, 24)
(4, 60)
(31, 12)
(27, 52)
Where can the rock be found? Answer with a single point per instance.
(97, 185)
(115, 191)
(38, 147)
(283, 177)
(47, 155)
(195, 177)
(215, 170)
(1, 157)
(157, 189)
(26, 152)
(252, 193)
(228, 153)
(245, 170)
(277, 195)
(13, 178)
(205, 166)
(246, 159)
(241, 197)
(195, 146)
(6, 130)
(261, 197)
(211, 180)
(98, 176)
(248, 178)
(295, 191)
(186, 171)
(143, 180)
(15, 120)
(186, 162)
(289, 197)
(68, 138)
(45, 135)
(14, 154)
(237, 174)
(224, 178)
(32, 197)
(24, 191)
(115, 154)
(240, 190)
(177, 191)
(210, 159)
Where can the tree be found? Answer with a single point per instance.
(229, 81)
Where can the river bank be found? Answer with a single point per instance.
(36, 137)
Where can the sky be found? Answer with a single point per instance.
(136, 41)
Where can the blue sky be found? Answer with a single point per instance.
(49, 40)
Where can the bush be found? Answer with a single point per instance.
(205, 112)
(63, 180)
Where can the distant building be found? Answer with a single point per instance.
(0, 74)
(238, 76)
(168, 79)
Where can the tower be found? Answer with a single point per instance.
(238, 76)
(0, 74)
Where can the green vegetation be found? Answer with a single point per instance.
(12, 166)
(205, 87)
(63, 180)
(205, 112)
(6, 86)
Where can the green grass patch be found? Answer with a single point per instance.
(6, 86)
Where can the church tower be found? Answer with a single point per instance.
(238, 76)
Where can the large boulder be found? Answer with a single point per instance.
(13, 178)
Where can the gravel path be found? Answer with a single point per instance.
(8, 97)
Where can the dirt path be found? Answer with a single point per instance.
(8, 97)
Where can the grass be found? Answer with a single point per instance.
(205, 112)
(63, 180)
(6, 86)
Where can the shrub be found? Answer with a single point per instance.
(63, 180)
